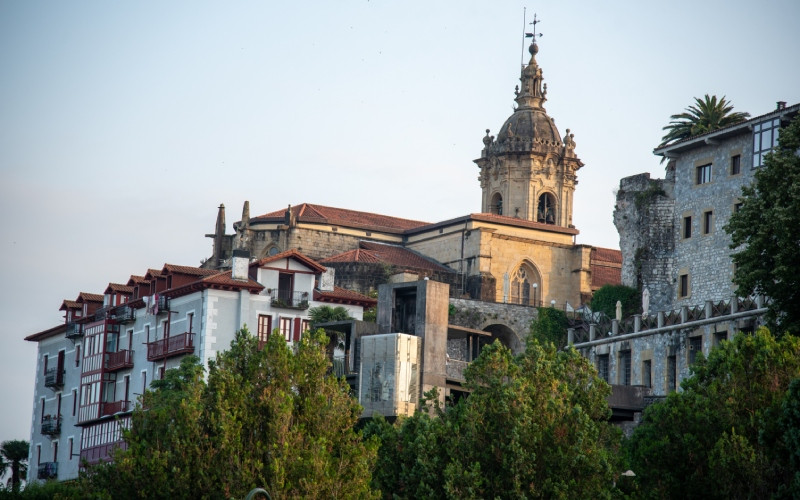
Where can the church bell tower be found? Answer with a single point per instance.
(529, 172)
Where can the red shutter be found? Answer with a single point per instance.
(297, 330)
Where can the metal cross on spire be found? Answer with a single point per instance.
(534, 23)
(528, 35)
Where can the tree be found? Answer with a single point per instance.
(324, 314)
(705, 115)
(550, 326)
(534, 426)
(763, 235)
(726, 435)
(605, 300)
(15, 457)
(269, 418)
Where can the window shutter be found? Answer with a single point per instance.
(297, 329)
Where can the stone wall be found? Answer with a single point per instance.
(644, 217)
(493, 317)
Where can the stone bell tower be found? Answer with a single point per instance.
(528, 172)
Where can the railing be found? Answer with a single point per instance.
(54, 378)
(119, 360)
(289, 299)
(107, 409)
(124, 314)
(47, 470)
(455, 369)
(51, 425)
(74, 331)
(163, 303)
(170, 346)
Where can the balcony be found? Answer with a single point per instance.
(74, 331)
(123, 314)
(51, 425)
(119, 360)
(108, 409)
(54, 378)
(101, 453)
(48, 470)
(170, 346)
(288, 299)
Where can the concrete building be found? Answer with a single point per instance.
(519, 249)
(675, 250)
(112, 346)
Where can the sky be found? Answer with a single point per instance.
(124, 125)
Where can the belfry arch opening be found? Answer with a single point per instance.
(496, 205)
(546, 209)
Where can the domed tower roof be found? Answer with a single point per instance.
(530, 122)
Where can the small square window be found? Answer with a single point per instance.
(687, 226)
(703, 174)
(672, 373)
(737, 206)
(736, 164)
(625, 368)
(683, 286)
(695, 346)
(647, 373)
(708, 220)
(602, 366)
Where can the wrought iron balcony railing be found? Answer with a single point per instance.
(74, 331)
(47, 470)
(119, 360)
(51, 425)
(289, 299)
(54, 378)
(123, 314)
(170, 346)
(112, 408)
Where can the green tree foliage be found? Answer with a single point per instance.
(15, 457)
(324, 314)
(729, 433)
(550, 326)
(763, 232)
(605, 300)
(705, 115)
(534, 426)
(268, 418)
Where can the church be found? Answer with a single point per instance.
(520, 248)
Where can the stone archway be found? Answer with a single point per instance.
(507, 336)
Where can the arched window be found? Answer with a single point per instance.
(496, 206)
(525, 286)
(546, 210)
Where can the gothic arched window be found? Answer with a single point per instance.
(524, 285)
(546, 210)
(496, 206)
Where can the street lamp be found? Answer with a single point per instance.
(535, 286)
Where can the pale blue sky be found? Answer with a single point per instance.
(123, 125)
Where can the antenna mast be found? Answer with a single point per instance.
(522, 49)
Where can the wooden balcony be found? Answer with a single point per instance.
(74, 331)
(108, 409)
(51, 425)
(54, 378)
(101, 453)
(288, 299)
(47, 470)
(118, 360)
(175, 345)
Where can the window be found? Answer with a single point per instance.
(286, 329)
(74, 401)
(144, 381)
(647, 373)
(264, 329)
(683, 286)
(189, 321)
(77, 355)
(306, 324)
(625, 368)
(736, 164)
(719, 337)
(55, 451)
(708, 219)
(602, 366)
(160, 373)
(46, 359)
(70, 448)
(147, 332)
(497, 204)
(737, 206)
(42, 418)
(703, 174)
(672, 373)
(765, 137)
(687, 227)
(695, 346)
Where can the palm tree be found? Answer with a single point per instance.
(705, 115)
(15, 455)
(324, 314)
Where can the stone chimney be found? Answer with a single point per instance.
(240, 265)
(781, 105)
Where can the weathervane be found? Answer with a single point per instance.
(528, 35)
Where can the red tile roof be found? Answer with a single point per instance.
(50, 332)
(70, 304)
(290, 254)
(119, 288)
(341, 296)
(606, 267)
(136, 280)
(606, 255)
(90, 297)
(307, 212)
(191, 271)
(371, 252)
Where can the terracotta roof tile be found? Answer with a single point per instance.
(70, 304)
(403, 257)
(340, 295)
(307, 212)
(191, 271)
(90, 297)
(606, 255)
(136, 280)
(603, 275)
(119, 288)
(357, 255)
(50, 332)
(225, 279)
(290, 254)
